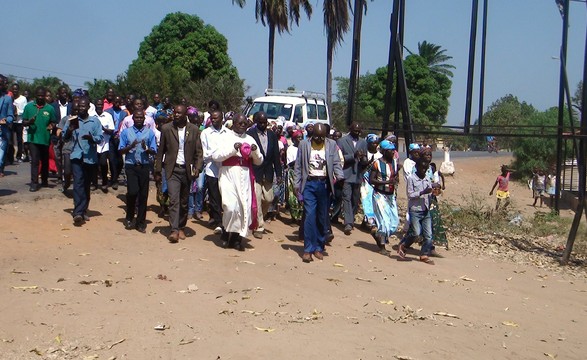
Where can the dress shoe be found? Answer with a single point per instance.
(86, 217)
(34, 187)
(129, 224)
(173, 237)
(347, 229)
(181, 234)
(114, 186)
(307, 257)
(198, 215)
(142, 228)
(218, 230)
(318, 255)
(78, 220)
(328, 238)
(258, 234)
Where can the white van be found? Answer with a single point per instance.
(301, 107)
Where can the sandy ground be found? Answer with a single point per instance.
(99, 291)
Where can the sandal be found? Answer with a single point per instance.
(401, 251)
(426, 260)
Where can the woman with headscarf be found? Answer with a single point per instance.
(384, 178)
(373, 154)
(295, 208)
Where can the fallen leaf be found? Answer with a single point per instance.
(35, 351)
(203, 259)
(225, 312)
(442, 313)
(57, 289)
(550, 355)
(185, 342)
(386, 302)
(508, 279)
(161, 327)
(464, 278)
(490, 292)
(90, 357)
(510, 323)
(84, 254)
(245, 297)
(264, 330)
(115, 343)
(33, 287)
(248, 262)
(403, 357)
(279, 241)
(362, 279)
(58, 339)
(7, 341)
(89, 282)
(338, 265)
(14, 271)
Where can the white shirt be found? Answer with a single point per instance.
(62, 109)
(128, 122)
(107, 123)
(151, 111)
(292, 154)
(20, 102)
(210, 139)
(180, 155)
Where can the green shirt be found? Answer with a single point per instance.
(37, 132)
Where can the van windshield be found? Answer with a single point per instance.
(273, 110)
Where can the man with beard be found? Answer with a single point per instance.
(180, 154)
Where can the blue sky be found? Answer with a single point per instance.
(87, 39)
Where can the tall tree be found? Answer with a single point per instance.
(336, 24)
(277, 14)
(436, 58)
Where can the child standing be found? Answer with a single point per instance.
(503, 192)
(538, 186)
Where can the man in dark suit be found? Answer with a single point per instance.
(354, 150)
(180, 145)
(264, 173)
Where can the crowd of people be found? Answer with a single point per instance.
(243, 171)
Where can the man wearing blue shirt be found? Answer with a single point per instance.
(85, 132)
(137, 142)
(6, 118)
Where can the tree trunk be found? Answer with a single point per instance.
(271, 51)
(329, 54)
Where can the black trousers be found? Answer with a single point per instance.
(178, 188)
(137, 193)
(17, 130)
(214, 199)
(39, 153)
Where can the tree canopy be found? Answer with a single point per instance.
(183, 41)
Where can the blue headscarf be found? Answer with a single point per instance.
(386, 145)
(372, 138)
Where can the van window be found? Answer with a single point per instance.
(298, 115)
(322, 114)
(273, 110)
(311, 109)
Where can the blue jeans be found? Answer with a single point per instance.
(196, 199)
(82, 178)
(5, 134)
(420, 225)
(316, 222)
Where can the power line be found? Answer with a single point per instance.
(31, 80)
(50, 71)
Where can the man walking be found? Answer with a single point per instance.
(40, 118)
(85, 132)
(6, 119)
(137, 142)
(20, 102)
(354, 150)
(264, 173)
(180, 153)
(210, 139)
(317, 169)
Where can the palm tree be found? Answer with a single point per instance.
(277, 14)
(435, 58)
(336, 23)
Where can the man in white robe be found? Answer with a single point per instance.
(237, 152)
